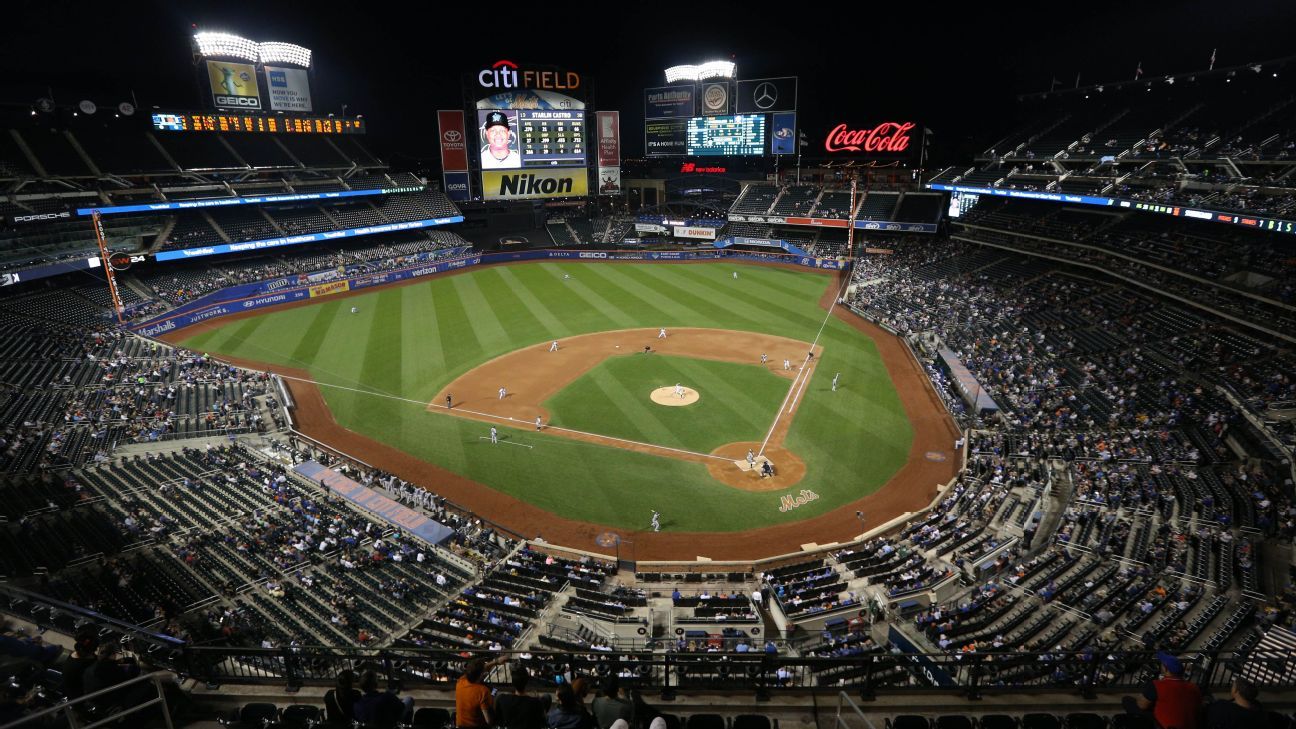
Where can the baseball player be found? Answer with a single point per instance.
(764, 358)
(735, 275)
(751, 459)
(538, 424)
(494, 435)
(503, 392)
(835, 378)
(566, 276)
(355, 310)
(679, 391)
(787, 365)
(554, 347)
(661, 333)
(448, 401)
(656, 521)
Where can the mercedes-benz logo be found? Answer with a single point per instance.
(765, 95)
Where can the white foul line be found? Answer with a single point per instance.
(505, 442)
(505, 419)
(804, 369)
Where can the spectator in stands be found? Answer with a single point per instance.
(521, 710)
(1171, 699)
(108, 670)
(380, 710)
(339, 702)
(473, 704)
(612, 706)
(75, 667)
(1242, 710)
(569, 712)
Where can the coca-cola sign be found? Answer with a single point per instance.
(885, 138)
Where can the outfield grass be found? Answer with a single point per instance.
(738, 402)
(407, 342)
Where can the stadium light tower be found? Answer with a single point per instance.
(701, 72)
(226, 45)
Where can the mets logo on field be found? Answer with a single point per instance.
(788, 502)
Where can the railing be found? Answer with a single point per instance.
(867, 674)
(71, 711)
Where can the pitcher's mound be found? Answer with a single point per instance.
(668, 397)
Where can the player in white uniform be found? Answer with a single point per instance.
(835, 378)
(355, 310)
(502, 393)
(735, 275)
(656, 521)
(554, 347)
(538, 423)
(764, 358)
(787, 365)
(494, 435)
(661, 333)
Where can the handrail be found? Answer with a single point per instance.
(74, 722)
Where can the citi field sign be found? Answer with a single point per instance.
(504, 74)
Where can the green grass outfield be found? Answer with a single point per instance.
(410, 341)
(738, 402)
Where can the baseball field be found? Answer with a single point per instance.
(607, 454)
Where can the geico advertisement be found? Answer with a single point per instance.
(519, 184)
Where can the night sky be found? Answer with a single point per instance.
(955, 68)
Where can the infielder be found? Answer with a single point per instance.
(835, 378)
(679, 391)
(537, 423)
(764, 358)
(656, 521)
(787, 365)
(661, 333)
(503, 392)
(448, 401)
(494, 435)
(554, 347)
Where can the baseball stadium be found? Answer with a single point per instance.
(697, 390)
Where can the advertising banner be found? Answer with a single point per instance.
(224, 202)
(683, 231)
(766, 95)
(609, 180)
(609, 138)
(234, 85)
(291, 240)
(289, 88)
(533, 184)
(666, 137)
(887, 139)
(649, 228)
(716, 99)
(669, 102)
(456, 186)
(454, 140)
(335, 287)
(392, 512)
(783, 138)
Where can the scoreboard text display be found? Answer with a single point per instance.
(536, 138)
(726, 136)
(235, 122)
(666, 137)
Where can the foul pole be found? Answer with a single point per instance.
(106, 260)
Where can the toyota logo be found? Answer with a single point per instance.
(453, 135)
(765, 95)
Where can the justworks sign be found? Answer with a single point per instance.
(519, 185)
(507, 75)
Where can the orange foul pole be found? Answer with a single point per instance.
(106, 260)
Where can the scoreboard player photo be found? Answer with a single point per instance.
(500, 142)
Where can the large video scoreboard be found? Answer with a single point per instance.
(726, 136)
(536, 138)
(182, 121)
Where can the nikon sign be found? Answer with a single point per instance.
(524, 184)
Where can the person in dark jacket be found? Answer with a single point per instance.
(339, 702)
(380, 710)
(1243, 708)
(75, 667)
(520, 709)
(569, 712)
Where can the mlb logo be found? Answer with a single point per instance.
(278, 78)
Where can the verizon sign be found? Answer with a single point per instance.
(885, 138)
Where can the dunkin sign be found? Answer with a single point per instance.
(885, 138)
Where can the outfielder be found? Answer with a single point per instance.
(679, 391)
(554, 347)
(835, 378)
(494, 435)
(503, 392)
(735, 275)
(656, 521)
(661, 333)
(355, 310)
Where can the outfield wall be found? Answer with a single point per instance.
(300, 287)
